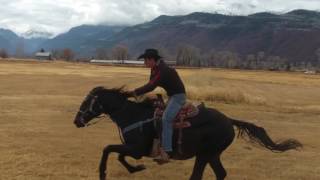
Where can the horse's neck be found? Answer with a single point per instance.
(132, 113)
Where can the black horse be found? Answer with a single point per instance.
(210, 134)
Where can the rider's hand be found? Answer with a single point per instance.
(152, 96)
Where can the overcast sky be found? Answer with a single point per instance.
(58, 16)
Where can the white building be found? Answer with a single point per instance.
(128, 62)
(43, 56)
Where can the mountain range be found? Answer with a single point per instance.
(294, 35)
(29, 42)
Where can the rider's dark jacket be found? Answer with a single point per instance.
(164, 76)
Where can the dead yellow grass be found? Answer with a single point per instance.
(38, 101)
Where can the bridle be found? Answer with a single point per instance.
(90, 110)
(96, 114)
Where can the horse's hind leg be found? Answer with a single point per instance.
(199, 166)
(217, 167)
(129, 167)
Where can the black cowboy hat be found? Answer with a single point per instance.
(150, 53)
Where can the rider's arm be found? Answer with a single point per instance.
(150, 86)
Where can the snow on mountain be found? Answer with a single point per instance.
(33, 34)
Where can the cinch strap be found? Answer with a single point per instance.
(136, 125)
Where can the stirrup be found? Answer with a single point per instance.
(162, 158)
(155, 151)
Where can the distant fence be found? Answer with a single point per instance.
(125, 62)
(116, 61)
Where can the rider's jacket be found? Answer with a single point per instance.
(164, 76)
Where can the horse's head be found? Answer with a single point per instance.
(97, 102)
(90, 108)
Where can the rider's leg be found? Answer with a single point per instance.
(174, 105)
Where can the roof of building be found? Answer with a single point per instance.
(43, 54)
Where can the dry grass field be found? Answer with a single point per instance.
(38, 141)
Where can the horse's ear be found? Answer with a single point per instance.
(125, 93)
(98, 88)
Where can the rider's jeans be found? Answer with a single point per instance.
(174, 104)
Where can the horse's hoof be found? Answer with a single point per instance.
(141, 167)
(138, 168)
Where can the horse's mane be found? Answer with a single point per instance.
(147, 101)
(119, 90)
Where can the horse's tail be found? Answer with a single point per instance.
(259, 136)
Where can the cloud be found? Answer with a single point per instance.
(60, 15)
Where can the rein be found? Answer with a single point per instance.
(138, 124)
(131, 127)
(123, 131)
(95, 122)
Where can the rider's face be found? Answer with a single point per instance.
(149, 62)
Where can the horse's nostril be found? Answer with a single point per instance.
(76, 123)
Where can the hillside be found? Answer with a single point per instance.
(293, 36)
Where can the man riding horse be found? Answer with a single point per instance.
(167, 78)
(209, 134)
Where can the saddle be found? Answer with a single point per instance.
(181, 120)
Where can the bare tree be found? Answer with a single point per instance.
(318, 57)
(260, 58)
(57, 53)
(251, 61)
(3, 53)
(188, 55)
(222, 59)
(120, 52)
(20, 49)
(68, 54)
(102, 53)
(229, 59)
(209, 58)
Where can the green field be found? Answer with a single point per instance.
(38, 101)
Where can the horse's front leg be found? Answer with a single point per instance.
(125, 150)
(129, 167)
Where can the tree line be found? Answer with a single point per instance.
(188, 55)
(192, 56)
(118, 53)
